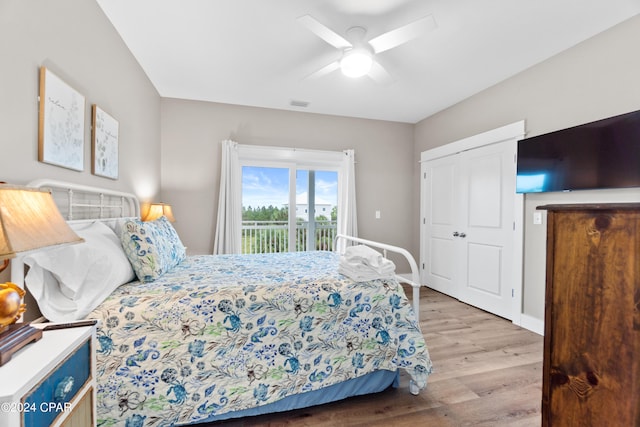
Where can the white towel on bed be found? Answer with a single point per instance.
(361, 263)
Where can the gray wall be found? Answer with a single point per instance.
(596, 79)
(175, 144)
(192, 133)
(75, 40)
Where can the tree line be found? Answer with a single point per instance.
(272, 213)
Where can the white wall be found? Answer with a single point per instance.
(595, 79)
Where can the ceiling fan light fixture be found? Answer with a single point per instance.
(356, 63)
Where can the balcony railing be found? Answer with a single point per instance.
(273, 236)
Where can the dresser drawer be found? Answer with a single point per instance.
(52, 396)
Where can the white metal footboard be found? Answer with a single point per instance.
(414, 282)
(415, 273)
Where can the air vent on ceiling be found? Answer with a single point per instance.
(296, 103)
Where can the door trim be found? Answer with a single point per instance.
(513, 131)
(504, 133)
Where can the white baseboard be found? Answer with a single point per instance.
(533, 324)
(530, 323)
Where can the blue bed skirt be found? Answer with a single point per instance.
(372, 383)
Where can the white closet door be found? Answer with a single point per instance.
(467, 244)
(439, 198)
(486, 227)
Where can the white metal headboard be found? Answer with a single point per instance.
(83, 202)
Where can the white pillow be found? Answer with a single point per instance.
(70, 281)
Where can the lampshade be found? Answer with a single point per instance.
(156, 210)
(29, 219)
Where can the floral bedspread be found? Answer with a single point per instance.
(225, 333)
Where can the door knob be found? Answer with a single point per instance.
(456, 234)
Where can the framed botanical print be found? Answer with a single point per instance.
(104, 146)
(60, 123)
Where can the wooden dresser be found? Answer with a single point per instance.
(591, 373)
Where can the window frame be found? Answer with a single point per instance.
(295, 159)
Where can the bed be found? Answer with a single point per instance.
(192, 339)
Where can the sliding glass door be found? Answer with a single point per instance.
(285, 208)
(316, 209)
(265, 209)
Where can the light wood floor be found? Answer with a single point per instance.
(488, 372)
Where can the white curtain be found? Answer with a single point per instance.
(347, 215)
(229, 224)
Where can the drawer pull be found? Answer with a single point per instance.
(63, 388)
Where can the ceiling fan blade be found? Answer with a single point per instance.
(403, 34)
(324, 32)
(380, 75)
(323, 71)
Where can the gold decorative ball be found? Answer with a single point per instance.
(11, 306)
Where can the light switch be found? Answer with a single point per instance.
(537, 218)
(377, 214)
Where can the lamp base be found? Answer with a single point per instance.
(15, 337)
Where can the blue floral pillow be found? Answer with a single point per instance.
(153, 247)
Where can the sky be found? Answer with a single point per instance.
(263, 186)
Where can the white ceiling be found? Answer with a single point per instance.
(256, 53)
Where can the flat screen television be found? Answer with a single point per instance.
(597, 155)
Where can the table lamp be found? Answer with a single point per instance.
(29, 220)
(156, 210)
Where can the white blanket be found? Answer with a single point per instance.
(362, 263)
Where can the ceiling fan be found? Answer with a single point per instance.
(358, 54)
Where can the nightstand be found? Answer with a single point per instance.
(51, 382)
